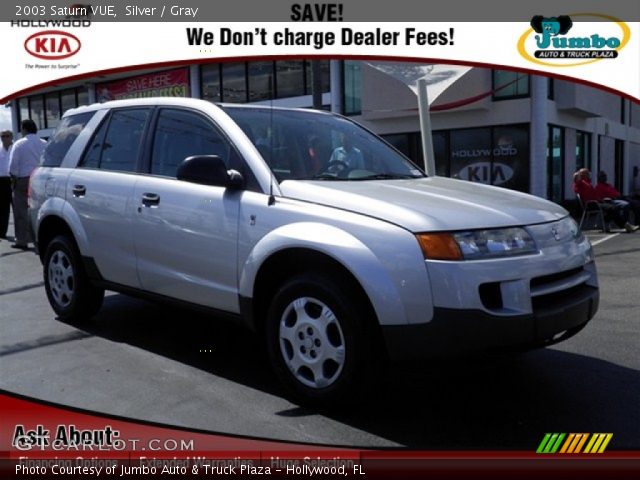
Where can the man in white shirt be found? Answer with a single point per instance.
(348, 154)
(24, 158)
(5, 181)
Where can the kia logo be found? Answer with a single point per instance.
(486, 172)
(52, 45)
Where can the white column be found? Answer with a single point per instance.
(335, 67)
(538, 137)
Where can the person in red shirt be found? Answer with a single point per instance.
(616, 211)
(607, 192)
(582, 186)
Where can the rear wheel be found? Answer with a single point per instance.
(317, 341)
(70, 293)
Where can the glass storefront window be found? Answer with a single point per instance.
(471, 154)
(47, 110)
(410, 144)
(210, 82)
(555, 163)
(440, 150)
(583, 150)
(324, 76)
(83, 96)
(325, 79)
(234, 83)
(261, 81)
(510, 153)
(290, 78)
(36, 107)
(68, 100)
(492, 155)
(400, 141)
(23, 106)
(52, 112)
(509, 84)
(352, 87)
(325, 68)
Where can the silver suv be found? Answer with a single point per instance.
(308, 228)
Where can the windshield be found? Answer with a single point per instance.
(301, 145)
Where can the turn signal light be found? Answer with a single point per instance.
(439, 246)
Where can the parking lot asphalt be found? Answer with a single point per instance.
(143, 361)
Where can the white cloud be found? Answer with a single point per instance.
(5, 118)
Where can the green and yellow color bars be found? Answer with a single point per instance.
(574, 443)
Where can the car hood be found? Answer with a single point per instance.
(428, 204)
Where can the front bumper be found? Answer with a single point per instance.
(455, 332)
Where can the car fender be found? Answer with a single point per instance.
(58, 207)
(375, 278)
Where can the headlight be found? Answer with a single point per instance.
(476, 244)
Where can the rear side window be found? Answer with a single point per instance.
(181, 134)
(116, 145)
(63, 138)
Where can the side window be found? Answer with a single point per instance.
(116, 145)
(92, 154)
(63, 138)
(181, 134)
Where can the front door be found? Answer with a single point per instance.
(186, 234)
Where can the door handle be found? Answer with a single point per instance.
(150, 199)
(79, 190)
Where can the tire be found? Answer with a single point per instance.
(69, 290)
(317, 342)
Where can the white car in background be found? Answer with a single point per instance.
(308, 228)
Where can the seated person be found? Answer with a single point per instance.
(582, 186)
(607, 192)
(348, 154)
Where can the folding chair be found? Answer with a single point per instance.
(591, 209)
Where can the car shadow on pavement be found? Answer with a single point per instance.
(505, 402)
(209, 343)
(484, 402)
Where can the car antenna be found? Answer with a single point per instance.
(272, 199)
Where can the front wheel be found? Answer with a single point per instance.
(316, 338)
(69, 290)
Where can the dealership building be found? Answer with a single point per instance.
(512, 129)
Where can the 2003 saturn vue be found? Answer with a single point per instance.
(308, 228)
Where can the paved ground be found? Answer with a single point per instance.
(143, 361)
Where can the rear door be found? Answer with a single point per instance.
(186, 234)
(100, 191)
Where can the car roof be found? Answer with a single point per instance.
(175, 101)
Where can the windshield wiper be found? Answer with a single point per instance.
(387, 176)
(323, 176)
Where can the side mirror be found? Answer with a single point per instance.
(209, 170)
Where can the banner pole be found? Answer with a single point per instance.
(425, 128)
